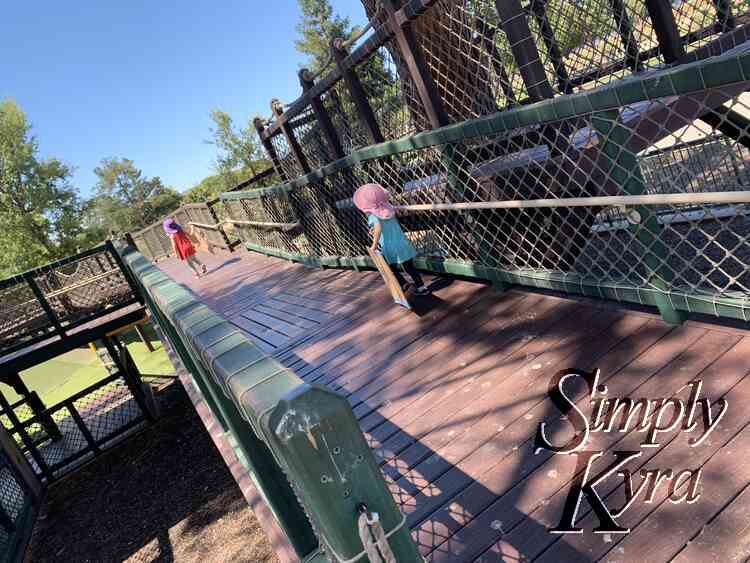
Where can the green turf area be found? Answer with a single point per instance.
(58, 379)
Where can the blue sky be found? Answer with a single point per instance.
(137, 79)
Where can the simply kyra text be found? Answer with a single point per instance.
(655, 418)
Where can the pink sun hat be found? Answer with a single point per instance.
(373, 198)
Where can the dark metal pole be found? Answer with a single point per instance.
(134, 287)
(17, 425)
(270, 151)
(724, 14)
(357, 93)
(294, 146)
(38, 408)
(516, 27)
(665, 27)
(51, 315)
(625, 30)
(548, 36)
(321, 114)
(415, 62)
(129, 372)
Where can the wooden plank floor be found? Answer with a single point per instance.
(450, 398)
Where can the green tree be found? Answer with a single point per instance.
(208, 188)
(126, 200)
(318, 27)
(39, 209)
(240, 155)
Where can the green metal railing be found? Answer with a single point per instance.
(679, 256)
(300, 443)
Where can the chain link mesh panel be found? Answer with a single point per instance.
(343, 114)
(391, 93)
(687, 144)
(13, 498)
(76, 289)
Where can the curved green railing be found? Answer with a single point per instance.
(300, 443)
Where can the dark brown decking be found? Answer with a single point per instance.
(450, 399)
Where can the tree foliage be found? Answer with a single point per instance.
(126, 200)
(318, 27)
(39, 209)
(239, 150)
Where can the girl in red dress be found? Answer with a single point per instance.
(182, 246)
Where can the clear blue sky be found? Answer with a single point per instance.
(137, 79)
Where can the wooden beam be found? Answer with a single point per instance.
(418, 71)
(358, 95)
(665, 27)
(522, 46)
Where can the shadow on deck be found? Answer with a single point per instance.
(451, 399)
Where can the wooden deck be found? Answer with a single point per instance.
(451, 397)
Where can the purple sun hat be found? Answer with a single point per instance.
(170, 226)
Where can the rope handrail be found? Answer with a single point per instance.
(265, 224)
(598, 201)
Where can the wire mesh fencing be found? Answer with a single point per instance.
(505, 195)
(15, 502)
(200, 220)
(58, 297)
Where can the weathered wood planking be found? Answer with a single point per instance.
(450, 401)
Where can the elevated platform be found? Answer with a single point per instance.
(451, 397)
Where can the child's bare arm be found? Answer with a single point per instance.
(174, 246)
(376, 230)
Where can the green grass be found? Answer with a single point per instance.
(58, 379)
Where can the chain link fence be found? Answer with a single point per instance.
(503, 195)
(56, 298)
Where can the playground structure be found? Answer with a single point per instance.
(595, 148)
(492, 124)
(44, 313)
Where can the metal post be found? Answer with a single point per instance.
(51, 315)
(125, 271)
(17, 425)
(621, 164)
(144, 337)
(357, 93)
(130, 241)
(488, 43)
(513, 22)
(324, 120)
(294, 146)
(270, 151)
(215, 217)
(129, 372)
(548, 36)
(667, 33)
(321, 114)
(724, 15)
(20, 465)
(36, 405)
(82, 426)
(625, 30)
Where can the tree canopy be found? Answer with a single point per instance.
(240, 154)
(39, 209)
(317, 28)
(126, 200)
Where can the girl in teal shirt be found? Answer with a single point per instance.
(387, 236)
